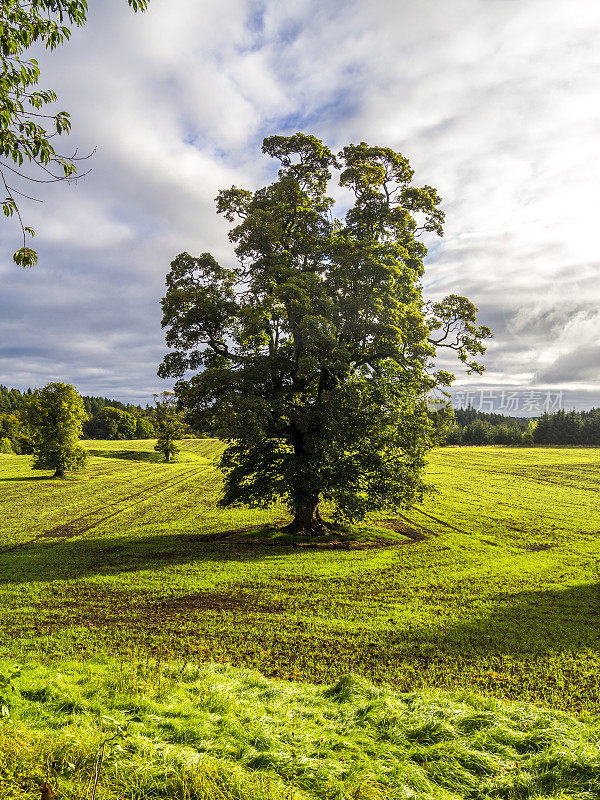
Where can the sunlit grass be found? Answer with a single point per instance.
(191, 732)
(498, 591)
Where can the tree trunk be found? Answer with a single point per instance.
(307, 520)
(60, 473)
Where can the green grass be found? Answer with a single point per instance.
(207, 732)
(495, 588)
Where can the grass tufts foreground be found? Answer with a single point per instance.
(152, 730)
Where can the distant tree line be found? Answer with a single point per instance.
(466, 416)
(106, 419)
(568, 427)
(14, 434)
(109, 419)
(471, 427)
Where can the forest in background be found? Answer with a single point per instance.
(107, 419)
(111, 419)
(472, 427)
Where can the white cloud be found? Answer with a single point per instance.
(494, 102)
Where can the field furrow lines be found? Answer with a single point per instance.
(492, 583)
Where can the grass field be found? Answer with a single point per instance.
(492, 585)
(222, 733)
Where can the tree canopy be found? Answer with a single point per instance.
(568, 427)
(13, 429)
(316, 349)
(131, 422)
(114, 423)
(27, 152)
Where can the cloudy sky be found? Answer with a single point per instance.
(495, 102)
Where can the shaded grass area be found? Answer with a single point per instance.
(129, 455)
(213, 731)
(492, 584)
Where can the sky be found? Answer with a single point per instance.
(495, 103)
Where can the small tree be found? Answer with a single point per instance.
(6, 446)
(527, 438)
(168, 425)
(478, 432)
(12, 429)
(453, 434)
(55, 415)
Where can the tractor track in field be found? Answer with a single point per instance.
(403, 524)
(527, 500)
(539, 476)
(73, 528)
(441, 521)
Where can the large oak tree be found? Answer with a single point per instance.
(315, 351)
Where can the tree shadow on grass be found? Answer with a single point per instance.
(527, 623)
(129, 455)
(72, 559)
(29, 478)
(521, 624)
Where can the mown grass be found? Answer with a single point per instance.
(493, 585)
(189, 732)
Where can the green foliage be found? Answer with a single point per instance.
(568, 427)
(528, 436)
(452, 434)
(317, 349)
(11, 399)
(9, 690)
(133, 422)
(144, 429)
(478, 432)
(6, 446)
(464, 416)
(114, 423)
(26, 133)
(471, 427)
(559, 428)
(167, 424)
(109, 419)
(55, 415)
(455, 320)
(12, 428)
